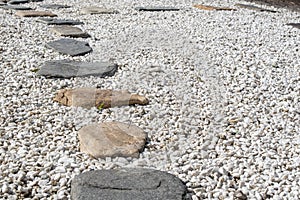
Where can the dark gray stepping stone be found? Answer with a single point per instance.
(70, 47)
(16, 7)
(69, 68)
(128, 184)
(156, 9)
(54, 6)
(69, 31)
(296, 25)
(251, 7)
(53, 21)
(18, 1)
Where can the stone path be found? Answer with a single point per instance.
(107, 139)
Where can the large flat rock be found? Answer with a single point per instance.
(156, 9)
(112, 139)
(35, 13)
(70, 47)
(128, 184)
(97, 10)
(54, 6)
(93, 97)
(206, 7)
(69, 31)
(16, 7)
(55, 21)
(69, 68)
(251, 7)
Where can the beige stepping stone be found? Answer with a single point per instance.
(34, 13)
(112, 139)
(97, 10)
(93, 97)
(203, 7)
(69, 31)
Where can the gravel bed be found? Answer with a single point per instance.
(224, 91)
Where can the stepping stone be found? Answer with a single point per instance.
(54, 6)
(253, 7)
(34, 13)
(97, 10)
(153, 9)
(69, 31)
(296, 25)
(69, 68)
(128, 184)
(70, 47)
(112, 139)
(16, 7)
(54, 21)
(17, 1)
(203, 7)
(93, 97)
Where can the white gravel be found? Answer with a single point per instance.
(224, 89)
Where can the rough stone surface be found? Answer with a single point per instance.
(204, 7)
(70, 47)
(69, 31)
(112, 139)
(251, 7)
(91, 97)
(54, 6)
(33, 13)
(54, 21)
(16, 7)
(69, 68)
(296, 25)
(97, 10)
(156, 9)
(128, 184)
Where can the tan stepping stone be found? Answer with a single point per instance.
(34, 13)
(93, 97)
(203, 7)
(97, 10)
(112, 139)
(69, 31)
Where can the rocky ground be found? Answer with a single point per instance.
(223, 90)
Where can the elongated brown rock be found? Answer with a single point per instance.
(93, 97)
(203, 7)
(34, 13)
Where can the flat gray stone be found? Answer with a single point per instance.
(97, 10)
(128, 184)
(153, 9)
(16, 7)
(69, 31)
(54, 21)
(70, 47)
(54, 6)
(69, 68)
(112, 139)
(17, 1)
(251, 7)
(296, 25)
